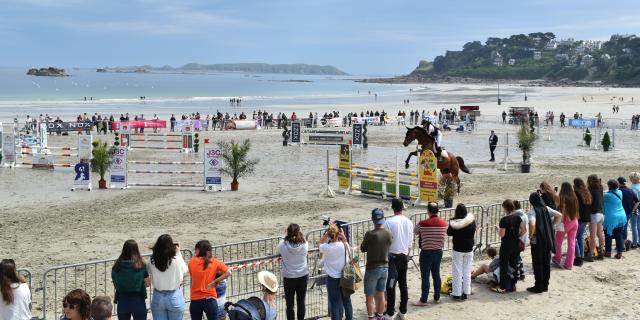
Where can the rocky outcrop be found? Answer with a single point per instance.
(47, 72)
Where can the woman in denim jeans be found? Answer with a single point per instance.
(167, 269)
(130, 279)
(332, 248)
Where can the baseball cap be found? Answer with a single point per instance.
(622, 180)
(397, 205)
(377, 216)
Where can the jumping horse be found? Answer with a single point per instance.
(448, 163)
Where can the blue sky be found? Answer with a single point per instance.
(359, 37)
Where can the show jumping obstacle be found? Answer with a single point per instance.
(184, 143)
(415, 187)
(211, 180)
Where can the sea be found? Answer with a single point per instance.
(88, 91)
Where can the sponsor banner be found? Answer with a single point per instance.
(83, 175)
(68, 126)
(42, 161)
(323, 138)
(333, 122)
(84, 147)
(118, 167)
(43, 135)
(194, 124)
(138, 124)
(582, 123)
(212, 165)
(356, 132)
(295, 132)
(368, 120)
(125, 135)
(9, 148)
(428, 176)
(344, 177)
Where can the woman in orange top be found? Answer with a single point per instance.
(203, 268)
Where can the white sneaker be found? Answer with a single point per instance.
(401, 316)
(388, 317)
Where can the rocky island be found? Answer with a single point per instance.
(47, 72)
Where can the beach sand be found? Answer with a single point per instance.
(44, 224)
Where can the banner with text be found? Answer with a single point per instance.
(118, 168)
(212, 164)
(344, 176)
(428, 166)
(138, 124)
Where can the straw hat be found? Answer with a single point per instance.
(268, 280)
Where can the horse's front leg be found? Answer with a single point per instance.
(406, 163)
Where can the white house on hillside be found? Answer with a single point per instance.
(587, 61)
(512, 61)
(537, 55)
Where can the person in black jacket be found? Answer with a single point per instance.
(596, 228)
(493, 143)
(584, 204)
(542, 239)
(463, 229)
(510, 229)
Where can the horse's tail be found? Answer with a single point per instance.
(463, 167)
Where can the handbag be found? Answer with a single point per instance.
(351, 278)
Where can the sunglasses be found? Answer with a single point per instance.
(68, 306)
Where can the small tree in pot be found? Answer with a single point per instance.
(100, 161)
(236, 161)
(526, 140)
(606, 141)
(446, 190)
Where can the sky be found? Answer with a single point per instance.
(359, 37)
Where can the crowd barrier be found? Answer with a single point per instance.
(247, 258)
(94, 277)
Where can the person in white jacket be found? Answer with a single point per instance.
(295, 270)
(16, 297)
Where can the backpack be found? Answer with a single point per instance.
(447, 285)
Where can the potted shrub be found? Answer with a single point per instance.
(526, 140)
(100, 161)
(606, 141)
(446, 190)
(196, 142)
(587, 137)
(236, 161)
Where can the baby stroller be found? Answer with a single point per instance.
(247, 309)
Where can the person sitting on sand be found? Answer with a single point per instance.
(492, 269)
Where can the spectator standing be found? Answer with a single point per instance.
(630, 204)
(204, 270)
(401, 230)
(130, 279)
(167, 269)
(76, 305)
(462, 229)
(549, 195)
(569, 207)
(614, 219)
(542, 239)
(596, 226)
(635, 225)
(333, 248)
(509, 229)
(295, 270)
(101, 308)
(431, 234)
(15, 296)
(584, 205)
(376, 244)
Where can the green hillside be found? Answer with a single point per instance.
(540, 56)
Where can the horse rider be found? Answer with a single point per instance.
(437, 137)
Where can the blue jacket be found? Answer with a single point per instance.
(614, 215)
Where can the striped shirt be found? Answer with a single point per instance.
(432, 233)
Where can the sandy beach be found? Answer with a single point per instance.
(44, 224)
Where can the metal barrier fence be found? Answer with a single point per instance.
(247, 249)
(247, 258)
(244, 283)
(94, 277)
(447, 214)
